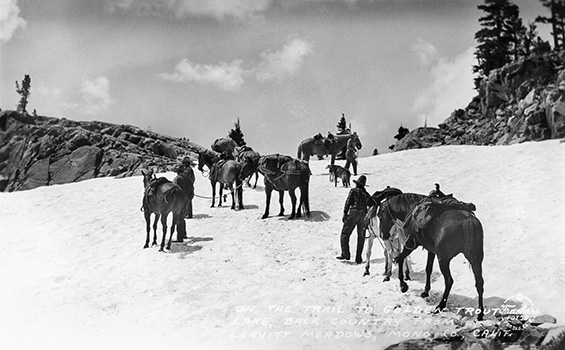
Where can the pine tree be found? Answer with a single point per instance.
(24, 92)
(557, 21)
(342, 125)
(402, 131)
(236, 134)
(497, 37)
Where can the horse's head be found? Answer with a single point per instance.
(148, 175)
(202, 160)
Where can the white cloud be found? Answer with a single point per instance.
(231, 76)
(96, 94)
(10, 19)
(284, 62)
(227, 76)
(425, 51)
(451, 88)
(218, 9)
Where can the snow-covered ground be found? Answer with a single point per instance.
(73, 273)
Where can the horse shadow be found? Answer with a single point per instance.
(200, 216)
(251, 206)
(187, 246)
(318, 216)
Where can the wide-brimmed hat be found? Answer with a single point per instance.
(361, 180)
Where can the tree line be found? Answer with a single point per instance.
(504, 38)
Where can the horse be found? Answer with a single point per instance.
(284, 173)
(226, 172)
(310, 147)
(224, 144)
(250, 160)
(372, 220)
(161, 197)
(452, 232)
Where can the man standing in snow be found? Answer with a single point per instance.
(351, 153)
(354, 212)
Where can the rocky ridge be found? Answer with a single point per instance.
(522, 101)
(39, 151)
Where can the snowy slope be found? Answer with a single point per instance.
(73, 272)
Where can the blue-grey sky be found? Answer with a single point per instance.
(287, 69)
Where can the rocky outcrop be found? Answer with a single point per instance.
(39, 151)
(522, 101)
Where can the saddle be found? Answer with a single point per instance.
(385, 194)
(431, 207)
(292, 167)
(318, 139)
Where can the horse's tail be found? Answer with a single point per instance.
(473, 239)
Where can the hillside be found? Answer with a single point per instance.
(522, 101)
(38, 151)
(74, 273)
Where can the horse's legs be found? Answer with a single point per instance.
(444, 267)
(239, 192)
(429, 269)
(293, 201)
(155, 224)
(369, 251)
(164, 224)
(221, 194)
(281, 203)
(479, 284)
(268, 191)
(232, 196)
(403, 285)
(173, 225)
(256, 179)
(213, 193)
(147, 215)
(403, 256)
(388, 263)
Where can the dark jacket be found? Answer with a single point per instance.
(358, 199)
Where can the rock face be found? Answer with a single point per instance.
(522, 101)
(41, 151)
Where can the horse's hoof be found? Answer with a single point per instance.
(264, 216)
(146, 246)
(366, 273)
(291, 217)
(403, 287)
(424, 294)
(386, 279)
(407, 278)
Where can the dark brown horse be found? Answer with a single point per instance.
(452, 232)
(284, 173)
(310, 147)
(224, 144)
(162, 197)
(226, 172)
(250, 161)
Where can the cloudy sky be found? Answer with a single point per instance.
(287, 69)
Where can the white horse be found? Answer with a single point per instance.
(372, 220)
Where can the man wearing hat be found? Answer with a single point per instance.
(354, 212)
(185, 179)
